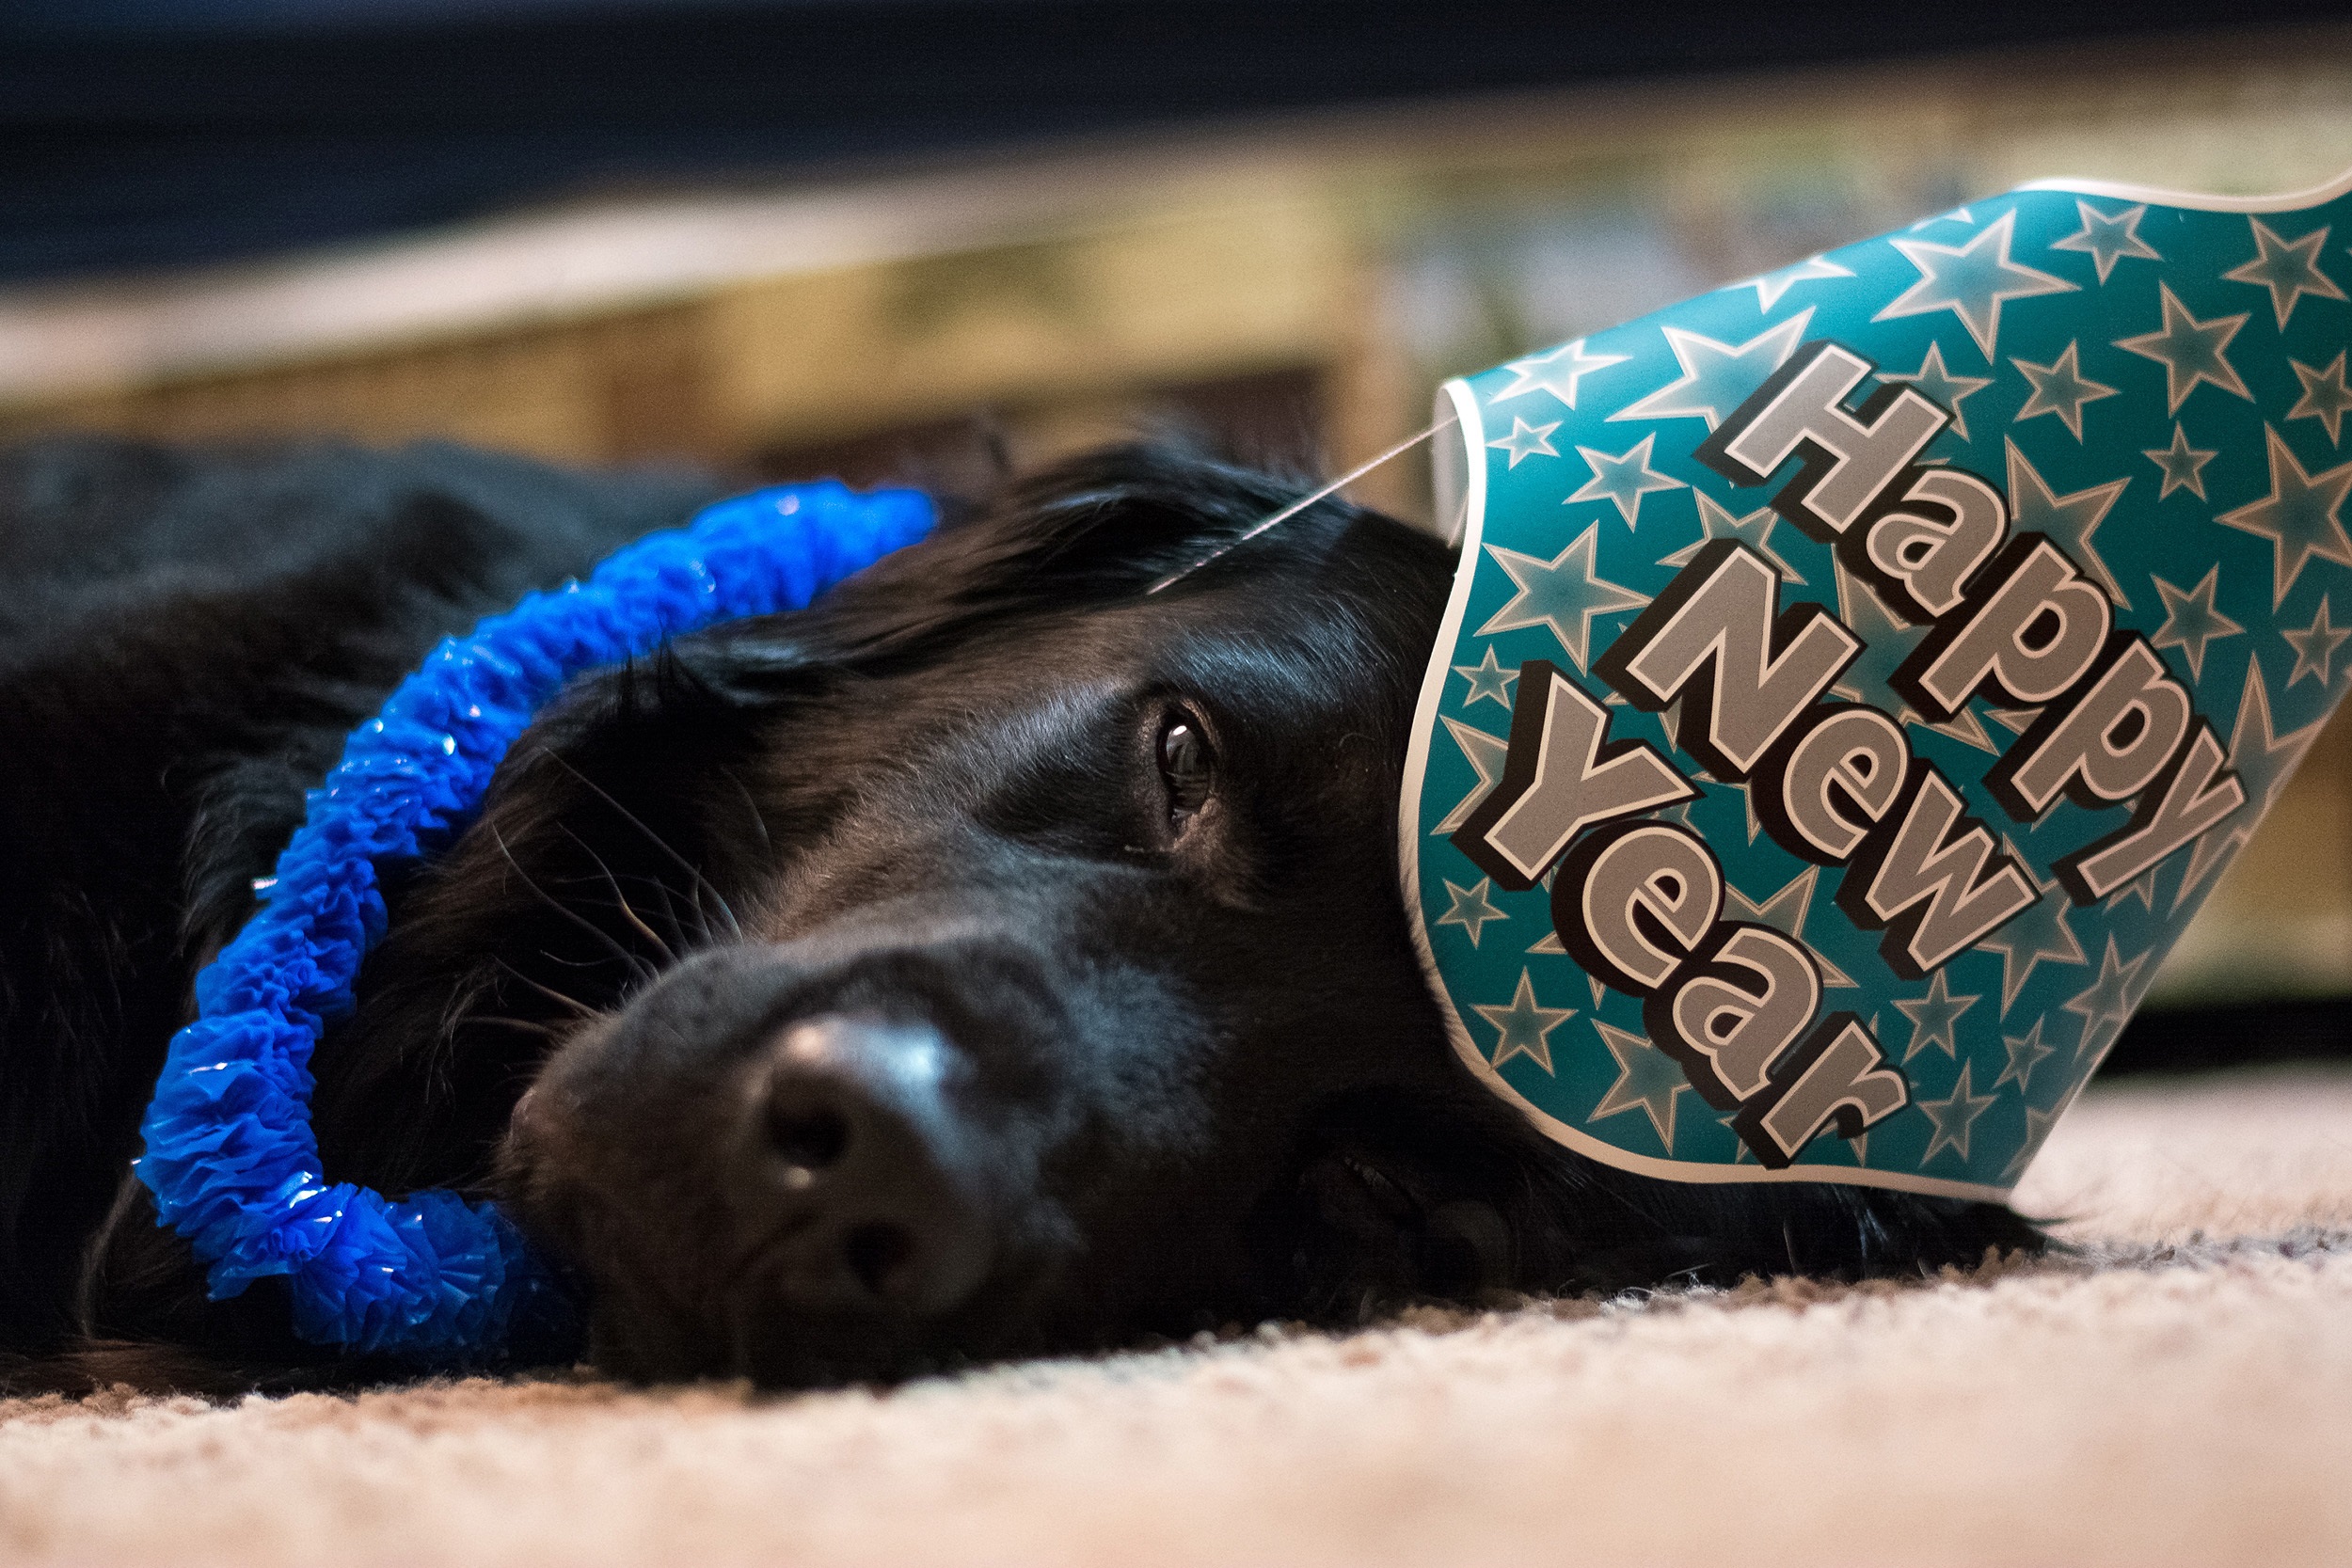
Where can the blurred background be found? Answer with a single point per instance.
(891, 238)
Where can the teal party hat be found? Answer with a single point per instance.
(1856, 677)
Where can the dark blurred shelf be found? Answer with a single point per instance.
(166, 133)
(2205, 1039)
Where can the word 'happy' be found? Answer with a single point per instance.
(1638, 901)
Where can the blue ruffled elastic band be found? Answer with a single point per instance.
(231, 1156)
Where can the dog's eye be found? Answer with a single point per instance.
(1187, 766)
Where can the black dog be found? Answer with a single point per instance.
(992, 960)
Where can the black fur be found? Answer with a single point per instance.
(1189, 1071)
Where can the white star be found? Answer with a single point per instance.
(1954, 1117)
(2261, 760)
(1754, 531)
(1887, 641)
(1485, 753)
(1624, 478)
(1717, 377)
(2314, 647)
(2109, 240)
(1934, 1016)
(2026, 1052)
(1524, 1028)
(1971, 281)
(1472, 910)
(2069, 520)
(2142, 887)
(2060, 387)
(2038, 1124)
(2039, 934)
(1646, 1077)
(2183, 465)
(1556, 373)
(2190, 620)
(1958, 215)
(1488, 679)
(2289, 270)
(1771, 285)
(1740, 1153)
(1941, 387)
(1562, 594)
(2298, 516)
(2107, 1003)
(2324, 396)
(1527, 440)
(2190, 350)
(1785, 911)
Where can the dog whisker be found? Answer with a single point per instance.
(654, 838)
(759, 819)
(574, 1002)
(620, 899)
(550, 1030)
(636, 964)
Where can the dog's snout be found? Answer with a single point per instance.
(862, 1171)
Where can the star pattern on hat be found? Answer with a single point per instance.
(1487, 680)
(1648, 1080)
(2069, 520)
(1954, 1117)
(2183, 465)
(2190, 621)
(2067, 301)
(1771, 285)
(1564, 593)
(1557, 373)
(1485, 753)
(2314, 647)
(1740, 1153)
(2107, 1002)
(2060, 387)
(2300, 516)
(2190, 351)
(2038, 934)
(2324, 396)
(1754, 531)
(1527, 440)
(1973, 281)
(1472, 910)
(2288, 268)
(1934, 1015)
(1717, 377)
(2037, 1125)
(1887, 641)
(2141, 888)
(1941, 387)
(2262, 758)
(1623, 477)
(2107, 240)
(1524, 1028)
(2026, 1052)
(1787, 912)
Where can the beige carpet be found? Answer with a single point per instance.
(2184, 1393)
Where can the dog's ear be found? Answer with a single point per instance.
(1100, 528)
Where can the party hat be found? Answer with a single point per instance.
(1856, 677)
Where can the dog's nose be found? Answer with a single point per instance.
(863, 1178)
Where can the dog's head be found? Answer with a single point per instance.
(996, 959)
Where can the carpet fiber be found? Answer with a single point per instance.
(2180, 1390)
